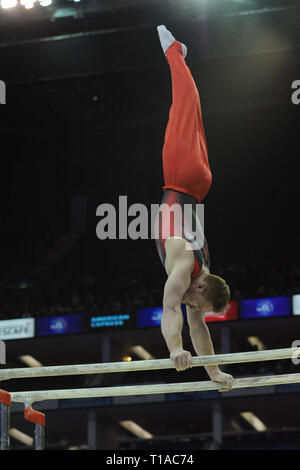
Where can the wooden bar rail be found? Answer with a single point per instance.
(131, 390)
(154, 364)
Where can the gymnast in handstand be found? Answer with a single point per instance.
(187, 177)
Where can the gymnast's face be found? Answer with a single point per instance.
(195, 295)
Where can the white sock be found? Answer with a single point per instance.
(167, 39)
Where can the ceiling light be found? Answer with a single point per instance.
(27, 3)
(21, 437)
(30, 361)
(9, 3)
(135, 429)
(252, 419)
(256, 342)
(45, 3)
(141, 352)
(127, 359)
(236, 425)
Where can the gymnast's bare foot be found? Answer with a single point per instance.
(225, 379)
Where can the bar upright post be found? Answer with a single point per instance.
(39, 420)
(5, 402)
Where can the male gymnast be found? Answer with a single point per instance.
(187, 179)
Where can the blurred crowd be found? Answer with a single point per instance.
(261, 279)
(141, 286)
(125, 294)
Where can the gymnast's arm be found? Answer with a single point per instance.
(203, 346)
(172, 319)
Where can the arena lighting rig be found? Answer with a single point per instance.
(29, 4)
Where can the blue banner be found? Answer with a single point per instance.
(263, 308)
(149, 317)
(61, 325)
(152, 316)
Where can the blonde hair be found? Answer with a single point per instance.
(217, 292)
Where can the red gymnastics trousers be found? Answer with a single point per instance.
(185, 161)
